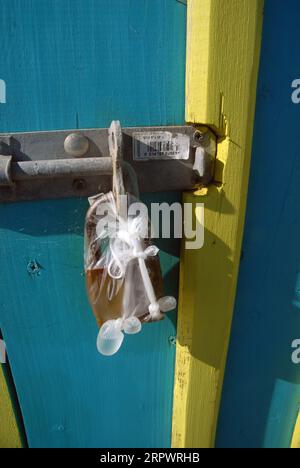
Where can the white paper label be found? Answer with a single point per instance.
(160, 145)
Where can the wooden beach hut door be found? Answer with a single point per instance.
(79, 64)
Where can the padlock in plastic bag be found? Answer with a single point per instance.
(123, 274)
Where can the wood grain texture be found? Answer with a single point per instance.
(261, 391)
(222, 62)
(83, 63)
(9, 433)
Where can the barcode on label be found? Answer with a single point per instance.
(160, 145)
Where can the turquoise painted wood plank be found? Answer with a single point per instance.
(77, 63)
(262, 387)
(68, 64)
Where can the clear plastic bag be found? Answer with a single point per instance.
(123, 274)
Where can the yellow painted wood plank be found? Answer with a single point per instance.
(9, 434)
(223, 46)
(296, 436)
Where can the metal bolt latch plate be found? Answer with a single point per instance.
(76, 163)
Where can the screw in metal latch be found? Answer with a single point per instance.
(198, 136)
(79, 185)
(76, 145)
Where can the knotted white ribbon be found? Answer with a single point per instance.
(125, 248)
